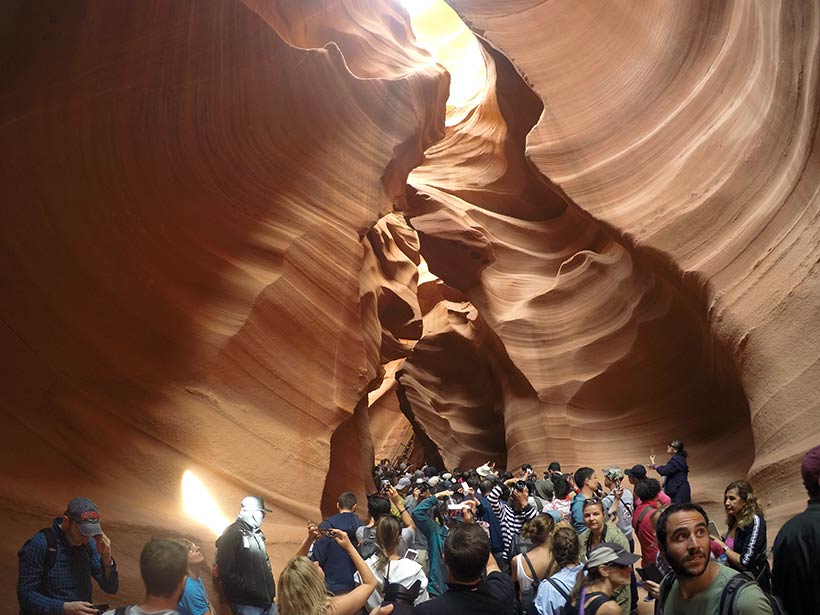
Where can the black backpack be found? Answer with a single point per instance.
(729, 595)
(368, 547)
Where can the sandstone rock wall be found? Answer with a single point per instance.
(213, 258)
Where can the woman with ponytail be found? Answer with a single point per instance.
(386, 564)
(607, 568)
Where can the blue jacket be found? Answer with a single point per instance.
(676, 486)
(436, 535)
(496, 537)
(336, 563)
(576, 509)
(68, 580)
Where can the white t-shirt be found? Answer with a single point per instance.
(403, 571)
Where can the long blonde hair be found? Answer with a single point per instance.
(301, 589)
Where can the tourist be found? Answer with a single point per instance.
(605, 572)
(528, 568)
(334, 560)
(745, 542)
(676, 472)
(194, 599)
(588, 484)
(600, 531)
(796, 573)
(554, 591)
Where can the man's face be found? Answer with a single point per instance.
(687, 543)
(73, 534)
(593, 482)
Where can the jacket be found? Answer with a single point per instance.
(69, 578)
(796, 567)
(436, 535)
(676, 472)
(243, 565)
(750, 543)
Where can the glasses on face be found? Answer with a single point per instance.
(194, 549)
(618, 566)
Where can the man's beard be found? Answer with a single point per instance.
(680, 569)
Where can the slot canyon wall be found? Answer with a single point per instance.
(240, 239)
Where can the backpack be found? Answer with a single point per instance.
(368, 547)
(591, 608)
(729, 595)
(526, 603)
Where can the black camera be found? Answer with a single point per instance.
(401, 597)
(520, 485)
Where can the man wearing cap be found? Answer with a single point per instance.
(242, 562)
(796, 571)
(637, 474)
(57, 564)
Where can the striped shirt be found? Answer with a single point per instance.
(510, 520)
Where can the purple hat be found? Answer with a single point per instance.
(810, 470)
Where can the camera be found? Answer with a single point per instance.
(520, 485)
(617, 483)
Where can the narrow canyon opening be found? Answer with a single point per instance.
(507, 368)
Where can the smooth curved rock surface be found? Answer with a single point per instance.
(698, 144)
(212, 260)
(187, 275)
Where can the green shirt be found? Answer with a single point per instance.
(750, 600)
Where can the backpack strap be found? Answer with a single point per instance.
(559, 587)
(592, 607)
(535, 577)
(666, 588)
(51, 552)
(730, 592)
(120, 610)
(643, 514)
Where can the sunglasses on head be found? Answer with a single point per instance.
(591, 501)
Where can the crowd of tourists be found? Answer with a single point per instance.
(478, 540)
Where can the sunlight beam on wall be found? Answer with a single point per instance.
(199, 505)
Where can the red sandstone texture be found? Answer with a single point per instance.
(212, 250)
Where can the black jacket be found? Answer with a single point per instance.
(243, 565)
(750, 542)
(676, 472)
(797, 562)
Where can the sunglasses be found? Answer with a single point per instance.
(592, 501)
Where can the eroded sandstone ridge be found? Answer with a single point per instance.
(240, 240)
